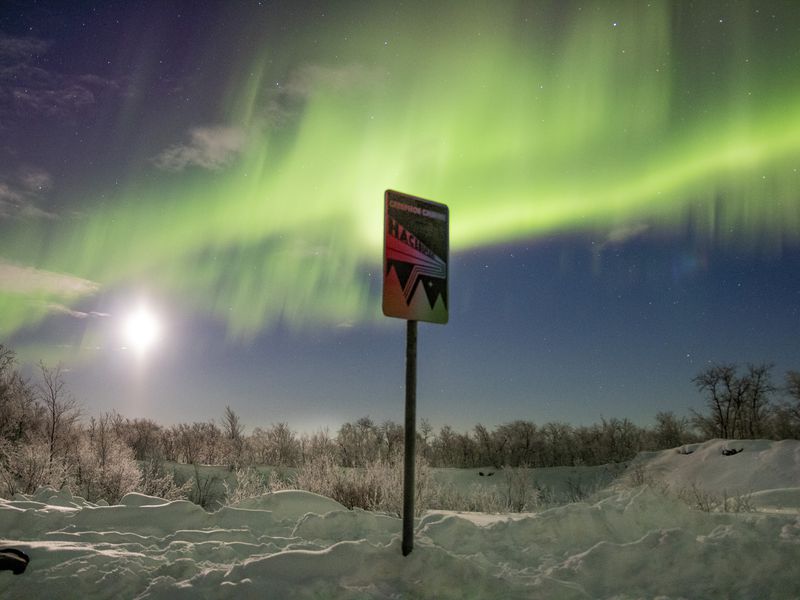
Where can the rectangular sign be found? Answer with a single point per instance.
(416, 236)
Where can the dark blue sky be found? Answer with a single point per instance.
(548, 330)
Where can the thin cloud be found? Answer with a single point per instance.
(210, 148)
(27, 88)
(21, 48)
(29, 280)
(286, 98)
(615, 238)
(35, 180)
(78, 314)
(621, 235)
(310, 78)
(20, 200)
(54, 102)
(28, 210)
(8, 195)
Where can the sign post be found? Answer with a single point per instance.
(415, 256)
(410, 432)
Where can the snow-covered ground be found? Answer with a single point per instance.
(629, 542)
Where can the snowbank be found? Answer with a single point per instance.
(632, 543)
(761, 466)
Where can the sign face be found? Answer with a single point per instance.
(416, 235)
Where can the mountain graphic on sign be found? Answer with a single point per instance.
(415, 264)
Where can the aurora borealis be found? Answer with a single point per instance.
(233, 158)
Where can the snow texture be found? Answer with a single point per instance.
(630, 542)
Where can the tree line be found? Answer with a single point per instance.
(45, 439)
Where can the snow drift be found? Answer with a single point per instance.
(628, 543)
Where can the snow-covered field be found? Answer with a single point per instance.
(628, 542)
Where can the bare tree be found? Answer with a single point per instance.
(467, 450)
(231, 424)
(523, 443)
(213, 440)
(359, 442)
(793, 390)
(620, 440)
(316, 446)
(233, 430)
(671, 431)
(559, 443)
(424, 438)
(738, 405)
(284, 445)
(756, 410)
(19, 417)
(724, 400)
(106, 465)
(61, 411)
(486, 446)
(391, 439)
(710, 382)
(445, 452)
(258, 446)
(786, 416)
(188, 442)
(143, 436)
(793, 384)
(197, 443)
(278, 445)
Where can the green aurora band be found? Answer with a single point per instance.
(524, 128)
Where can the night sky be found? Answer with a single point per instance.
(622, 180)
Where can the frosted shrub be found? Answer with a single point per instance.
(316, 475)
(280, 479)
(159, 482)
(23, 468)
(378, 486)
(521, 495)
(700, 499)
(104, 469)
(119, 477)
(426, 486)
(518, 495)
(249, 484)
(694, 496)
(637, 475)
(368, 488)
(739, 503)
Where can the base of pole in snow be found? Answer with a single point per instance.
(410, 437)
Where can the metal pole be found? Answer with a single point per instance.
(410, 437)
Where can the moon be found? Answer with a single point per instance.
(142, 330)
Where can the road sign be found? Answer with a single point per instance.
(415, 253)
(415, 256)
